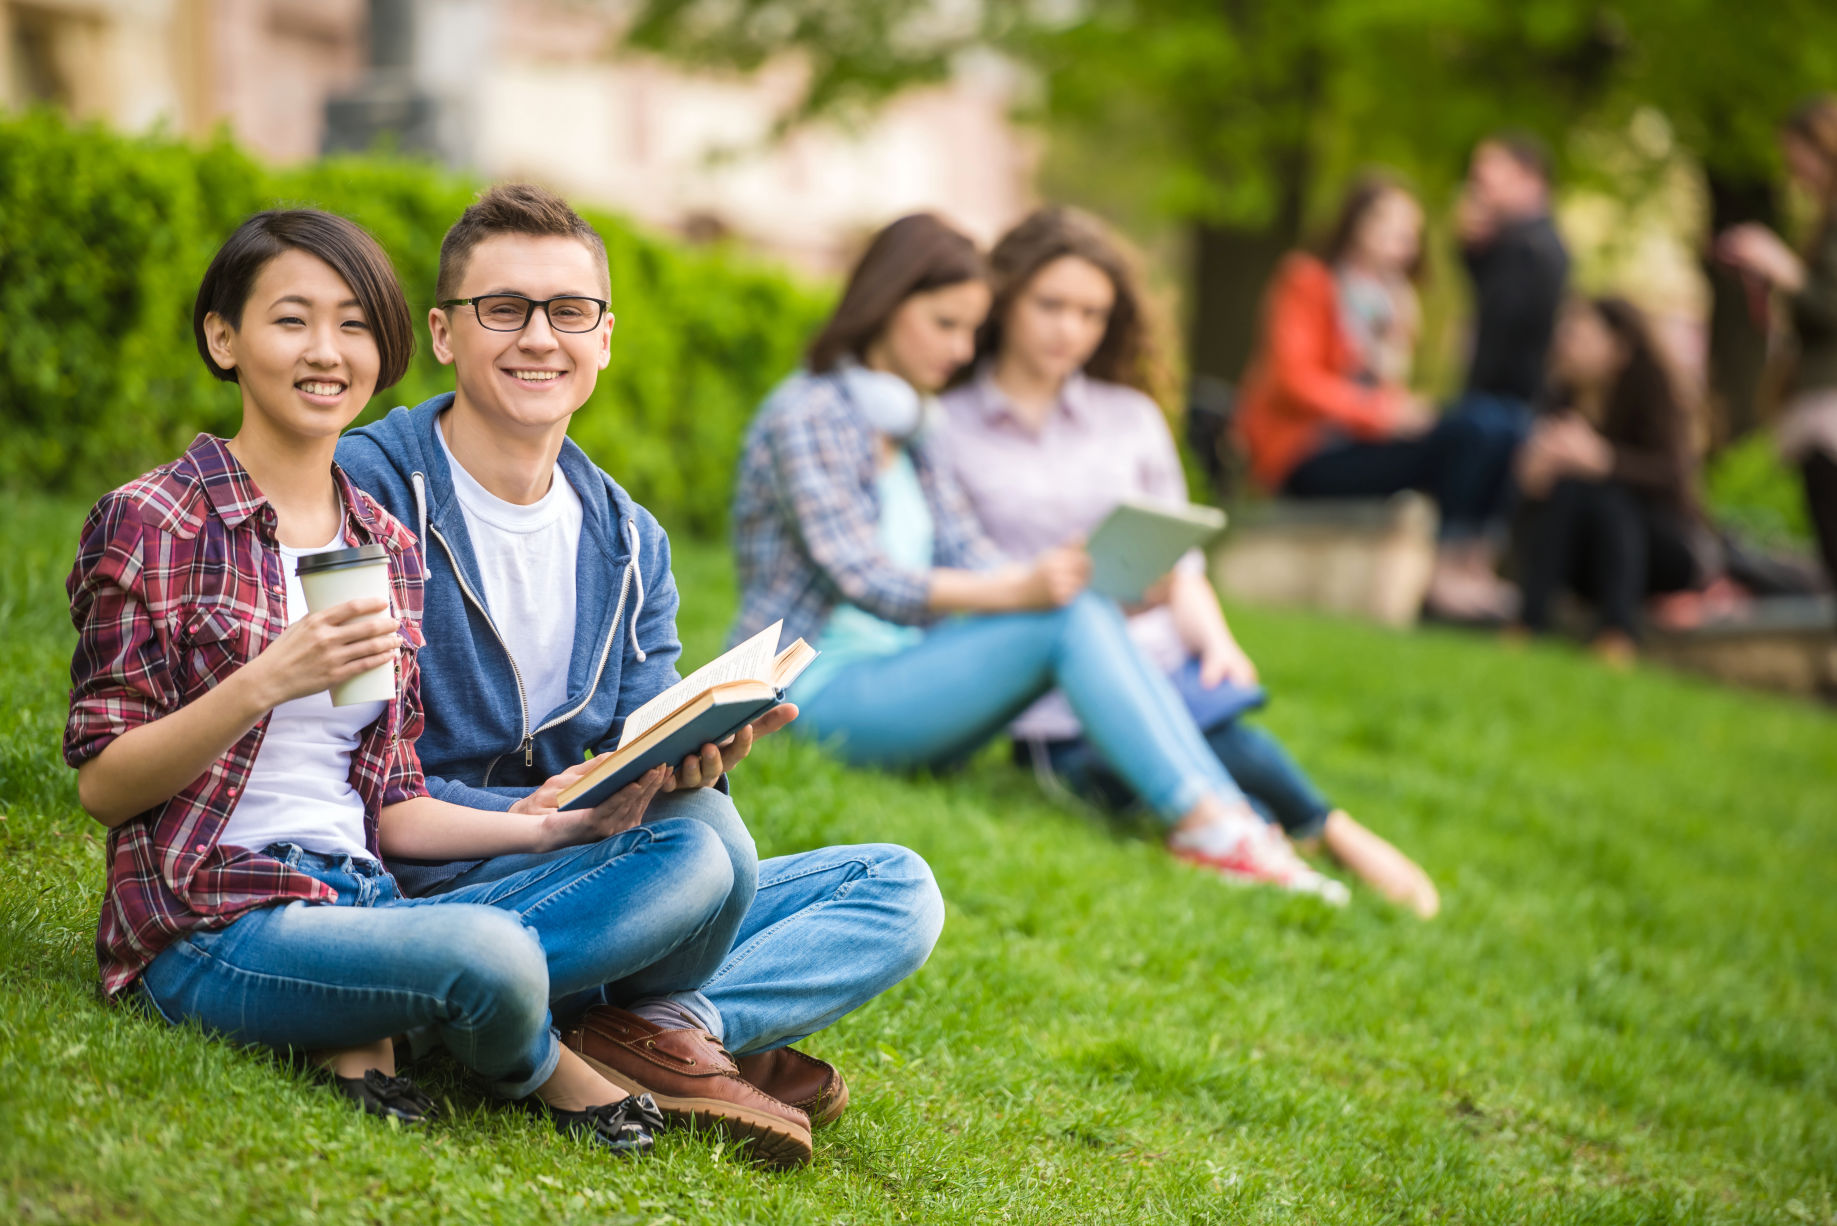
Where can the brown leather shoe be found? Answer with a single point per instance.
(813, 1086)
(693, 1079)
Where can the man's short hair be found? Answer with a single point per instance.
(513, 208)
(1528, 150)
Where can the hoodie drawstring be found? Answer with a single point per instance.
(637, 574)
(420, 484)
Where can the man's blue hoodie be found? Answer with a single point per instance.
(483, 747)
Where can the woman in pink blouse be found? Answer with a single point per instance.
(1050, 431)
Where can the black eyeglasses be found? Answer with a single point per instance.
(512, 312)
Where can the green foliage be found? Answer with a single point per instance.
(1750, 489)
(103, 239)
(1626, 1013)
(1214, 111)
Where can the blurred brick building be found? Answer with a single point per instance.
(526, 88)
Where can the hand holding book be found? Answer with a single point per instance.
(704, 769)
(714, 712)
(616, 814)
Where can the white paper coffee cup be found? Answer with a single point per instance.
(338, 575)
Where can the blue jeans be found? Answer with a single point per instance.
(1274, 782)
(763, 954)
(828, 931)
(1463, 462)
(313, 976)
(934, 703)
(618, 926)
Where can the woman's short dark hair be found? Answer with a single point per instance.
(1126, 354)
(914, 255)
(1366, 193)
(343, 244)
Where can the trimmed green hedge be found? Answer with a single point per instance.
(103, 238)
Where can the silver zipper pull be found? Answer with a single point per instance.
(529, 751)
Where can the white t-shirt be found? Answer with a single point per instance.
(527, 557)
(299, 790)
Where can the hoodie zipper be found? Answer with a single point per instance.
(528, 742)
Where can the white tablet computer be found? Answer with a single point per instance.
(1140, 541)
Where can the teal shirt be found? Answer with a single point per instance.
(906, 537)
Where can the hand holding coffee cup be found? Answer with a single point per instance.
(347, 641)
(337, 578)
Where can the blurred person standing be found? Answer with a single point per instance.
(1808, 280)
(1518, 267)
(1609, 479)
(1052, 429)
(1326, 410)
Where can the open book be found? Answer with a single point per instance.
(1140, 541)
(706, 707)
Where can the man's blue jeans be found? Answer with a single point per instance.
(937, 701)
(795, 942)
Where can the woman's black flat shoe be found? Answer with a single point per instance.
(624, 1127)
(392, 1098)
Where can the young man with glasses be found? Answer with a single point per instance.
(550, 615)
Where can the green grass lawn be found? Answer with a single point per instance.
(1626, 1013)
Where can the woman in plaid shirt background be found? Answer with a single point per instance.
(247, 815)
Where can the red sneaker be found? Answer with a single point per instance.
(1247, 853)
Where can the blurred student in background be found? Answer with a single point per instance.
(1518, 266)
(1326, 410)
(1054, 427)
(1609, 479)
(849, 528)
(1808, 279)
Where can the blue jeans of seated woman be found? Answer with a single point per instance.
(1276, 785)
(473, 968)
(934, 703)
(310, 976)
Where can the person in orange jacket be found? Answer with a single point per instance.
(1326, 409)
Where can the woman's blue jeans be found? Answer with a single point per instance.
(1278, 788)
(934, 703)
(473, 968)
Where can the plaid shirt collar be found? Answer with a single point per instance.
(234, 496)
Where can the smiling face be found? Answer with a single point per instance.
(304, 355)
(534, 379)
(931, 334)
(1058, 321)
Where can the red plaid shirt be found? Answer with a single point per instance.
(177, 584)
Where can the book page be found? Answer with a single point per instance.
(750, 661)
(792, 662)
